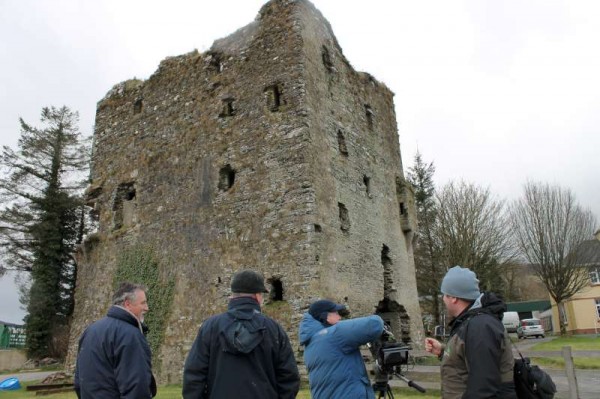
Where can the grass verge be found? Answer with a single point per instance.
(576, 343)
(586, 363)
(174, 392)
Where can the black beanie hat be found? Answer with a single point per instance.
(248, 282)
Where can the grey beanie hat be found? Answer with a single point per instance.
(460, 282)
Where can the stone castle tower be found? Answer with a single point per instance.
(269, 151)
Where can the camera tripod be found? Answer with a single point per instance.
(383, 387)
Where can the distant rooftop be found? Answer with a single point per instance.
(528, 306)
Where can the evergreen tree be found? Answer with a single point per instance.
(41, 224)
(428, 268)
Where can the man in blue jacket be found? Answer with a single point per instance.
(114, 359)
(332, 351)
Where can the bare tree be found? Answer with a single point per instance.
(549, 227)
(472, 230)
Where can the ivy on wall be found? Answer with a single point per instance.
(138, 265)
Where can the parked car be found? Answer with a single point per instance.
(510, 320)
(530, 328)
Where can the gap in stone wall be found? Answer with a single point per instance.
(123, 206)
(273, 94)
(370, 115)
(344, 218)
(276, 292)
(326, 57)
(226, 177)
(367, 183)
(137, 106)
(228, 108)
(342, 143)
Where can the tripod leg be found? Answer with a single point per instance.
(389, 392)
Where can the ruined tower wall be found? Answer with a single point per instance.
(357, 165)
(231, 159)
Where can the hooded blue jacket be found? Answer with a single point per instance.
(335, 366)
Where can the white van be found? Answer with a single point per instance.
(511, 321)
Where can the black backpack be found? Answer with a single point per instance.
(531, 382)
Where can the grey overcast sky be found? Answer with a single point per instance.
(493, 92)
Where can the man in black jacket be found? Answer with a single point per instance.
(114, 359)
(477, 361)
(241, 353)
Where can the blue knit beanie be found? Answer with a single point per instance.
(319, 309)
(461, 283)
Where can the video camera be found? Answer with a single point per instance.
(389, 356)
(388, 353)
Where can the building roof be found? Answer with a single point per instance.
(5, 323)
(588, 253)
(528, 306)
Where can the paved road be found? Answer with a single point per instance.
(588, 381)
(31, 376)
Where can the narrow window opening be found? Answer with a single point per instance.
(370, 115)
(214, 62)
(226, 178)
(228, 108)
(124, 206)
(344, 218)
(273, 94)
(276, 290)
(342, 143)
(402, 208)
(327, 59)
(318, 228)
(367, 183)
(137, 106)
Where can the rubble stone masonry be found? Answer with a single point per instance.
(269, 151)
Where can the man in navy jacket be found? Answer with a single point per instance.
(114, 359)
(241, 353)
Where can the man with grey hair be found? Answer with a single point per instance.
(241, 353)
(114, 359)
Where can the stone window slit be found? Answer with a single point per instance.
(370, 115)
(344, 218)
(327, 59)
(228, 108)
(367, 183)
(124, 205)
(226, 177)
(342, 143)
(273, 94)
(137, 106)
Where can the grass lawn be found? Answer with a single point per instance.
(576, 343)
(174, 392)
(588, 363)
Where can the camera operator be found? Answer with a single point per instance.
(332, 357)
